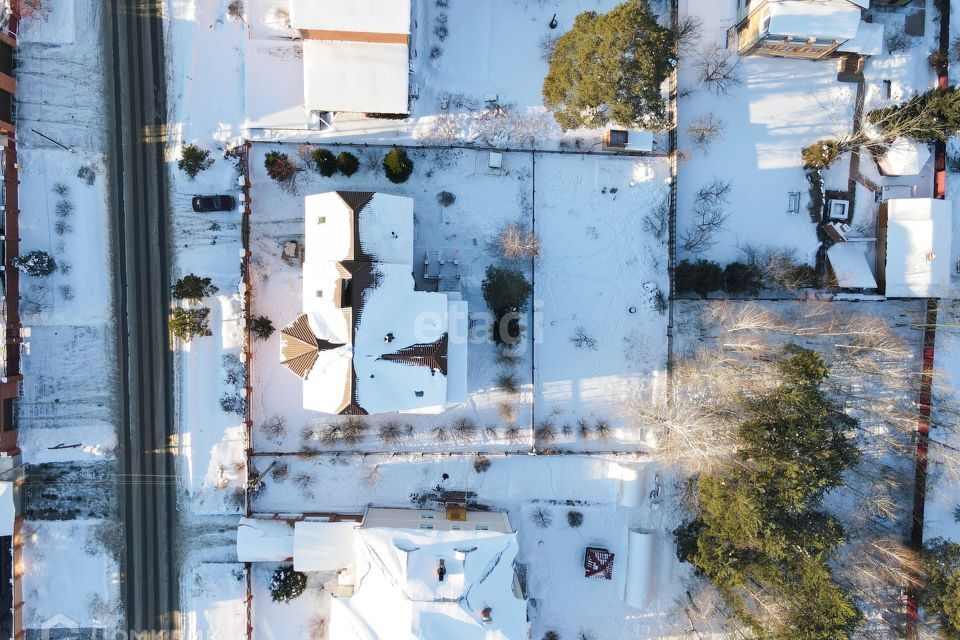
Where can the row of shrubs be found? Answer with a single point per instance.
(706, 276)
(397, 165)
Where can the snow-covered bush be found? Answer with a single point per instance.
(233, 403)
(574, 518)
(35, 263)
(287, 584)
(481, 464)
(445, 198)
(87, 174)
(541, 517)
(281, 169)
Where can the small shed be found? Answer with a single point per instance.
(598, 563)
(850, 265)
(260, 540)
(323, 546)
(913, 247)
(640, 564)
(904, 158)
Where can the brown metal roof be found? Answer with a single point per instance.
(299, 347)
(432, 355)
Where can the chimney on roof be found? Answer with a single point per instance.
(486, 615)
(441, 570)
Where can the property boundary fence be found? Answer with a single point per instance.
(929, 347)
(244, 162)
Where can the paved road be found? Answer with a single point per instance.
(134, 58)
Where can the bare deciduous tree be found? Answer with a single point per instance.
(517, 243)
(688, 32)
(719, 69)
(706, 130)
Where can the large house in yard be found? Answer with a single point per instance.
(806, 29)
(355, 54)
(366, 341)
(914, 247)
(406, 573)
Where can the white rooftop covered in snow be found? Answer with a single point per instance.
(355, 54)
(904, 157)
(834, 19)
(367, 342)
(398, 593)
(851, 266)
(914, 247)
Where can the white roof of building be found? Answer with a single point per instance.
(359, 353)
(834, 19)
(273, 71)
(361, 77)
(371, 16)
(851, 266)
(264, 540)
(399, 596)
(640, 562)
(904, 157)
(8, 509)
(323, 546)
(867, 42)
(918, 248)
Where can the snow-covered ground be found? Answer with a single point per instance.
(218, 591)
(71, 576)
(587, 210)
(602, 273)
(613, 494)
(467, 59)
(779, 107)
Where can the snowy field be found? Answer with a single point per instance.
(613, 494)
(70, 574)
(600, 275)
(588, 209)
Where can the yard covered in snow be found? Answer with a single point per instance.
(70, 571)
(588, 210)
(613, 494)
(778, 107)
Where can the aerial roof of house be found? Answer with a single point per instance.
(917, 248)
(355, 54)
(369, 16)
(834, 19)
(366, 341)
(904, 157)
(398, 592)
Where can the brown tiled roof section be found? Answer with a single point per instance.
(432, 355)
(357, 200)
(299, 347)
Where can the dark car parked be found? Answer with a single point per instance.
(204, 204)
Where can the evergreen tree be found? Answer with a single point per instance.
(347, 163)
(279, 167)
(739, 277)
(821, 154)
(186, 323)
(193, 288)
(702, 276)
(262, 327)
(287, 584)
(193, 160)
(506, 292)
(933, 116)
(36, 263)
(941, 593)
(760, 525)
(325, 162)
(397, 165)
(609, 68)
